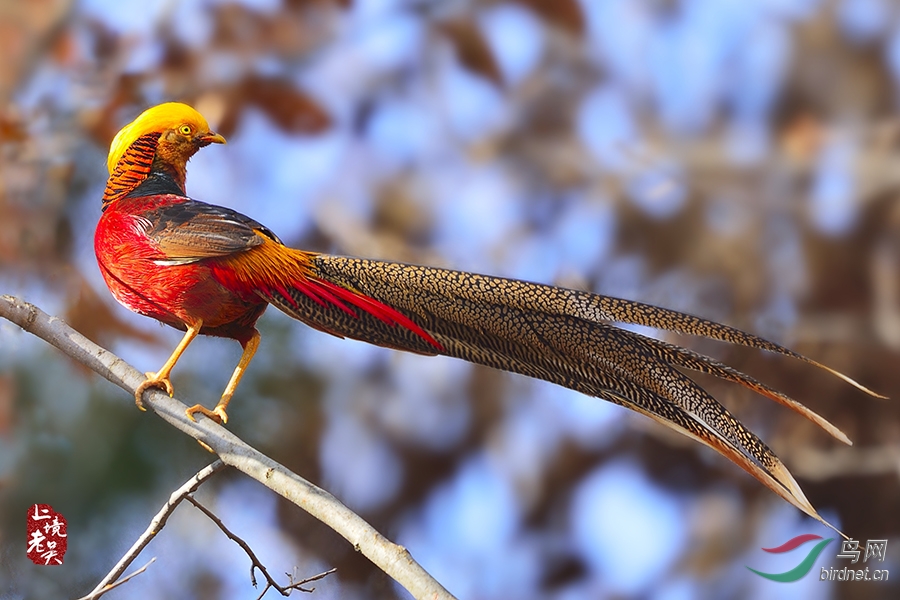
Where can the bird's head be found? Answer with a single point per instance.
(162, 139)
(181, 130)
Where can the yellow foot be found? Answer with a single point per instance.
(217, 414)
(153, 380)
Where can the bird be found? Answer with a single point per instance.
(209, 270)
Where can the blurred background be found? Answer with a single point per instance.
(736, 160)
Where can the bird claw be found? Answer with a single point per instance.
(217, 414)
(153, 380)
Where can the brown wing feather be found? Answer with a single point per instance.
(188, 231)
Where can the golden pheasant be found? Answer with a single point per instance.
(209, 270)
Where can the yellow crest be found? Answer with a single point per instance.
(156, 119)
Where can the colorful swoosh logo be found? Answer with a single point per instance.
(805, 566)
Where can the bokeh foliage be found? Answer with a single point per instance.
(734, 160)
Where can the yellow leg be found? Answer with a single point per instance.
(161, 378)
(218, 413)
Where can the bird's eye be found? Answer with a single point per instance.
(185, 129)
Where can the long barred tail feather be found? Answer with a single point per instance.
(563, 336)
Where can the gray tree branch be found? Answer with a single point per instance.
(391, 558)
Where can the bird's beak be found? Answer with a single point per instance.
(210, 137)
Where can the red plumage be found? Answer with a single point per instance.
(136, 273)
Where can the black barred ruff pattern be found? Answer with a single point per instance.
(132, 169)
(565, 337)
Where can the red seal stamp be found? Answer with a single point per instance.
(47, 535)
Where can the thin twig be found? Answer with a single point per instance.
(156, 524)
(255, 563)
(391, 558)
(297, 585)
(184, 492)
(97, 593)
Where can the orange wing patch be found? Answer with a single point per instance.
(271, 269)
